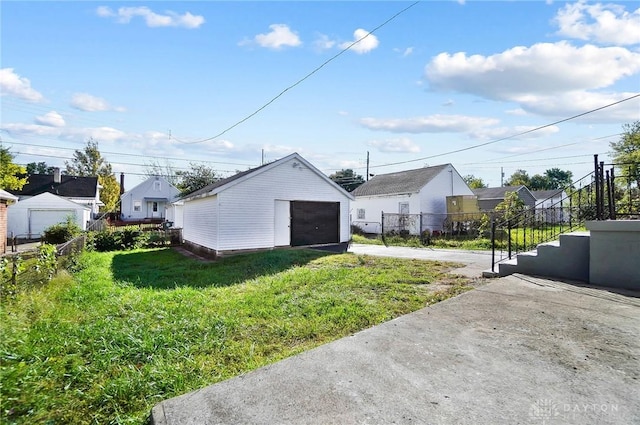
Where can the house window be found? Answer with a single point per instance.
(360, 213)
(156, 185)
(137, 205)
(155, 207)
(403, 207)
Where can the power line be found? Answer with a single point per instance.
(325, 63)
(134, 155)
(509, 137)
(112, 163)
(551, 148)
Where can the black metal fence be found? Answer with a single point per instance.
(593, 197)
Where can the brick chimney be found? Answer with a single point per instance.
(57, 175)
(121, 183)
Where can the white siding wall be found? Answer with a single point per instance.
(18, 213)
(374, 206)
(200, 218)
(175, 214)
(247, 209)
(434, 197)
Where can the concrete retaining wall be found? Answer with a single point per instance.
(615, 253)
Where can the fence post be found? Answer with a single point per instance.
(493, 245)
(596, 176)
(601, 190)
(509, 237)
(382, 228)
(612, 206)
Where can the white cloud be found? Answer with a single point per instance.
(323, 42)
(577, 102)
(51, 119)
(218, 146)
(500, 132)
(429, 124)
(20, 129)
(101, 134)
(152, 19)
(601, 23)
(404, 52)
(516, 112)
(89, 103)
(11, 84)
(279, 37)
(367, 42)
(400, 145)
(543, 68)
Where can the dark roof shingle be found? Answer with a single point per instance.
(495, 192)
(409, 181)
(69, 186)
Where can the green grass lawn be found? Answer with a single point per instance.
(131, 329)
(520, 237)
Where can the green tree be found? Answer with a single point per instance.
(12, 176)
(519, 178)
(627, 154)
(511, 206)
(39, 168)
(110, 192)
(538, 182)
(197, 177)
(627, 159)
(90, 163)
(347, 179)
(474, 182)
(557, 178)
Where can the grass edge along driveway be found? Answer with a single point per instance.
(130, 329)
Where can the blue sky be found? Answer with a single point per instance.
(156, 81)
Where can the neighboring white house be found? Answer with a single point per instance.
(410, 193)
(550, 205)
(148, 200)
(81, 190)
(285, 203)
(29, 218)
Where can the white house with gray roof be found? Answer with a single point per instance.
(421, 191)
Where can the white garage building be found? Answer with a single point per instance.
(30, 217)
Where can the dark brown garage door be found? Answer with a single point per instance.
(314, 222)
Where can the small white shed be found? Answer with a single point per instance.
(288, 202)
(30, 217)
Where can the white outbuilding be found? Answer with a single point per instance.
(420, 193)
(30, 217)
(286, 203)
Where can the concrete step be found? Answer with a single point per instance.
(567, 258)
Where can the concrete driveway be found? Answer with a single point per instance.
(518, 350)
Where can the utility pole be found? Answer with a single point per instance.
(501, 176)
(262, 163)
(367, 165)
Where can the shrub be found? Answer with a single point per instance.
(104, 241)
(62, 232)
(47, 263)
(127, 238)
